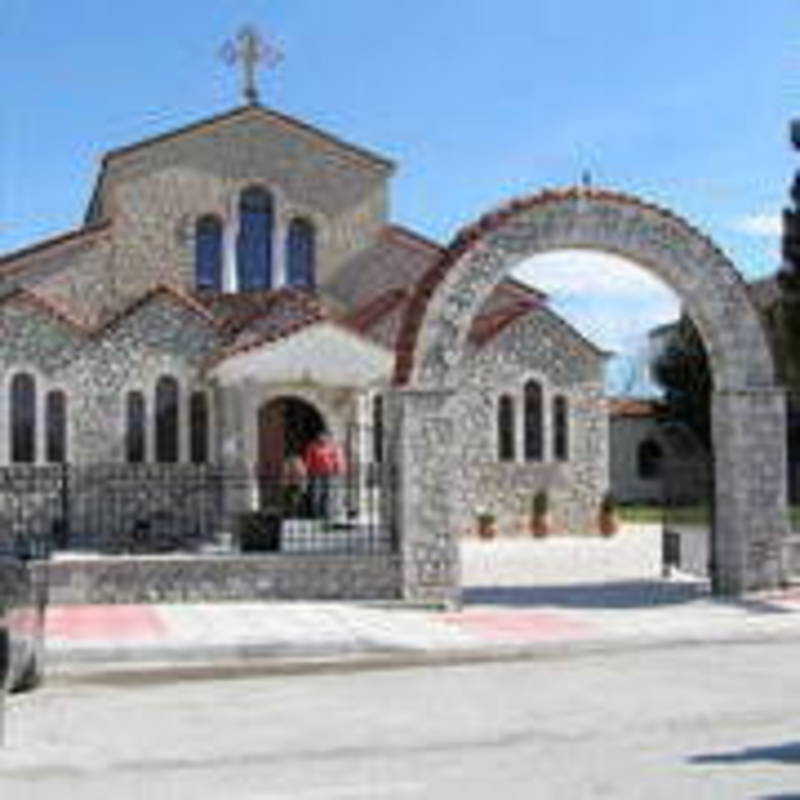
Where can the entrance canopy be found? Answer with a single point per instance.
(325, 353)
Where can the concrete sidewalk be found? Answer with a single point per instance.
(495, 622)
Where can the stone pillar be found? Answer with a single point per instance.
(750, 515)
(422, 435)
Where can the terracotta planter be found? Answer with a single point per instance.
(609, 524)
(540, 525)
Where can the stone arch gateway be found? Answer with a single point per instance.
(748, 406)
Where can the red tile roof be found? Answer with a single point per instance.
(634, 407)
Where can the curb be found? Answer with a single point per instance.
(164, 664)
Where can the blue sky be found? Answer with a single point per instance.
(683, 103)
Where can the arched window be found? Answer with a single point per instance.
(300, 253)
(505, 428)
(56, 426)
(208, 253)
(167, 420)
(377, 429)
(560, 429)
(23, 419)
(648, 458)
(198, 428)
(135, 428)
(533, 421)
(254, 243)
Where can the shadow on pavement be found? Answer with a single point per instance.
(613, 594)
(788, 753)
(616, 594)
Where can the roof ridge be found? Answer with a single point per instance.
(52, 241)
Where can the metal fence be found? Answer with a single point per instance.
(158, 508)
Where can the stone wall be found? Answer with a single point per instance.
(155, 193)
(625, 436)
(171, 579)
(543, 347)
(160, 337)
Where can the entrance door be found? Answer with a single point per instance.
(286, 425)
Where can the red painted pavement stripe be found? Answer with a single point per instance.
(526, 626)
(104, 622)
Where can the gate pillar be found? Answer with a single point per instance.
(750, 520)
(421, 447)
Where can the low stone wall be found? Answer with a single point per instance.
(168, 579)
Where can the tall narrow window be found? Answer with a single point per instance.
(135, 428)
(300, 253)
(377, 429)
(198, 428)
(649, 457)
(167, 420)
(208, 253)
(254, 244)
(505, 428)
(23, 419)
(560, 429)
(56, 426)
(533, 421)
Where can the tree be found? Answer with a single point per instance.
(681, 368)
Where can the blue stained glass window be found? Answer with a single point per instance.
(533, 421)
(560, 429)
(135, 428)
(56, 424)
(167, 420)
(505, 428)
(23, 419)
(300, 253)
(208, 253)
(254, 243)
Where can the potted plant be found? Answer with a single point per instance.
(487, 524)
(608, 521)
(540, 514)
(259, 531)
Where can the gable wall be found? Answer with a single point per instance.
(154, 194)
(97, 372)
(542, 347)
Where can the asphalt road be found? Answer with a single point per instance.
(698, 722)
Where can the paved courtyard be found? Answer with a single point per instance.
(634, 553)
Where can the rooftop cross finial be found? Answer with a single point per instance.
(249, 48)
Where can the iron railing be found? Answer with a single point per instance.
(158, 508)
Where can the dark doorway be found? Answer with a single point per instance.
(285, 427)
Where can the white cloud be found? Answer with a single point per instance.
(610, 300)
(759, 224)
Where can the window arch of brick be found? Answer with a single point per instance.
(254, 241)
(22, 419)
(135, 428)
(56, 426)
(649, 457)
(560, 428)
(166, 419)
(300, 253)
(533, 421)
(208, 252)
(198, 428)
(505, 428)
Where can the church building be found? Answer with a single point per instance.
(235, 287)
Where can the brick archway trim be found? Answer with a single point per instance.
(472, 235)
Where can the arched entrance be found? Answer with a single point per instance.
(285, 427)
(748, 407)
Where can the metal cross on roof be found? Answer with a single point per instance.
(249, 48)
